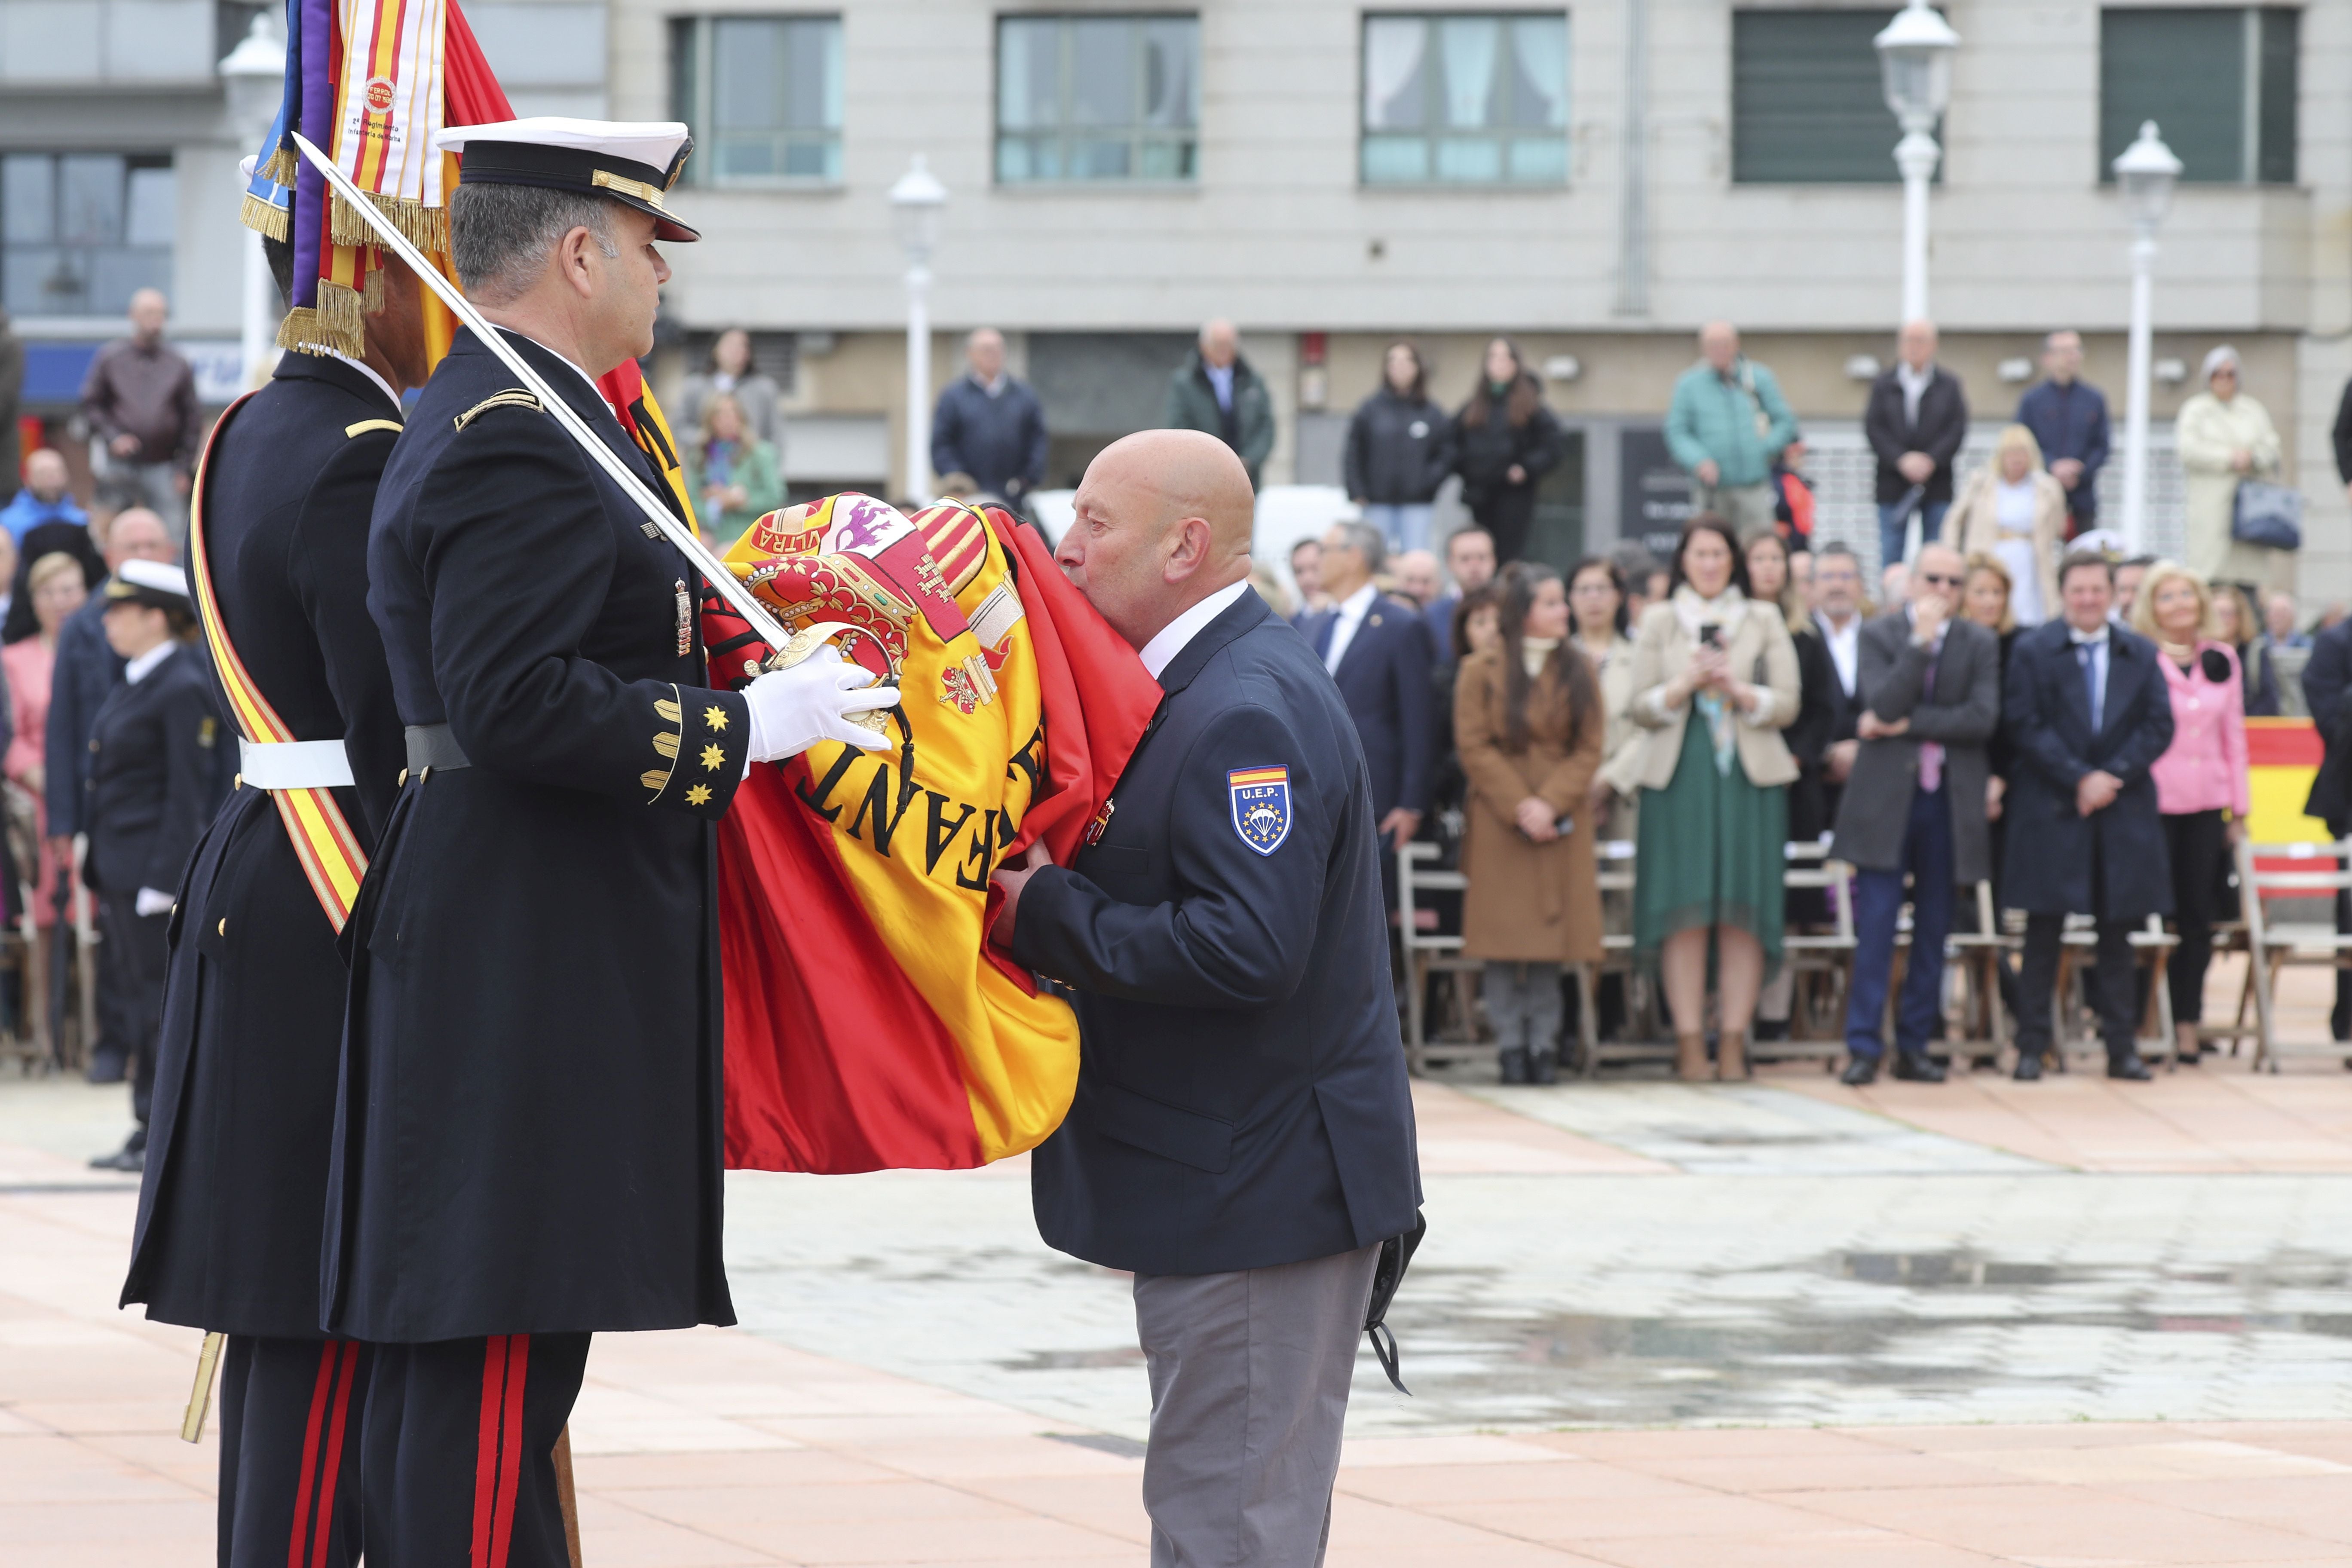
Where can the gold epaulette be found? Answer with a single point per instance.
(364, 425)
(512, 397)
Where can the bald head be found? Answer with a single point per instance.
(1718, 343)
(1220, 341)
(1162, 521)
(138, 534)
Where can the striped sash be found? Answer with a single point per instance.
(324, 842)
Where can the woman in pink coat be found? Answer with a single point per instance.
(2200, 779)
(56, 587)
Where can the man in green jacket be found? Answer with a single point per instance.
(1727, 422)
(1216, 392)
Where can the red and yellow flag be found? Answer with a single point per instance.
(870, 1025)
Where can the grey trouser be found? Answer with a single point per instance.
(125, 482)
(1523, 1002)
(1249, 1390)
(1747, 507)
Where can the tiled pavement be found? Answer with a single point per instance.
(2072, 1324)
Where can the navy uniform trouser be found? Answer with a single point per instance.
(458, 1470)
(1877, 902)
(289, 1463)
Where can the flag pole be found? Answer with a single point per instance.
(730, 588)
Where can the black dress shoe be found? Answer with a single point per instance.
(1543, 1067)
(1859, 1070)
(131, 1161)
(2029, 1069)
(1917, 1069)
(1513, 1064)
(108, 1068)
(2129, 1068)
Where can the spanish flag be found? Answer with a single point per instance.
(870, 1025)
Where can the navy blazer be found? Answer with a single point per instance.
(1384, 678)
(1242, 1099)
(2047, 713)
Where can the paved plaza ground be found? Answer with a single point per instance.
(2072, 1324)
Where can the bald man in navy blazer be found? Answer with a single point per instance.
(1242, 1138)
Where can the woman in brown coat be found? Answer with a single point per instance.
(1529, 724)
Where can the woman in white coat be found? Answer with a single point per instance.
(2226, 438)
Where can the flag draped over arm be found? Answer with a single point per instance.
(870, 1025)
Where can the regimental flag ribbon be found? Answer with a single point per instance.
(323, 841)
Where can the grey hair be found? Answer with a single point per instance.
(1364, 537)
(2223, 355)
(500, 233)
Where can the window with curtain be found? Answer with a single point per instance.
(2220, 84)
(81, 232)
(1465, 98)
(762, 95)
(1098, 98)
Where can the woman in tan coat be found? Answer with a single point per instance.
(2015, 511)
(1529, 723)
(2226, 438)
(1715, 681)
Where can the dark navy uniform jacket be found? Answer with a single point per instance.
(231, 1206)
(529, 1136)
(1242, 1099)
(2047, 712)
(153, 776)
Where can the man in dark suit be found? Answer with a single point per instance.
(2327, 686)
(229, 1218)
(527, 1143)
(2068, 416)
(1930, 699)
(86, 673)
(1378, 649)
(1242, 1138)
(987, 424)
(1917, 418)
(2088, 712)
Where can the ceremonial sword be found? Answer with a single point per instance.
(707, 561)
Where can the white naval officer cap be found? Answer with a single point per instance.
(636, 162)
(150, 583)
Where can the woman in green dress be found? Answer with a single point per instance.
(1714, 681)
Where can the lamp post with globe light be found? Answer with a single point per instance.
(1914, 56)
(254, 76)
(917, 204)
(2145, 173)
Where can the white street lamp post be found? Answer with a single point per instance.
(254, 73)
(2144, 173)
(916, 204)
(1914, 54)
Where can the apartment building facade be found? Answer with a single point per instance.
(1594, 179)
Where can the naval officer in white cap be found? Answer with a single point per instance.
(529, 1145)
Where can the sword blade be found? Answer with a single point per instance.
(706, 561)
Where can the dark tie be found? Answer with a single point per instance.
(1323, 630)
(2088, 654)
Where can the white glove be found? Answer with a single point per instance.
(152, 902)
(792, 710)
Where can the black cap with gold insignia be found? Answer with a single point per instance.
(635, 162)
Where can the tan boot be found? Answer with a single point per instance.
(1730, 1056)
(1690, 1059)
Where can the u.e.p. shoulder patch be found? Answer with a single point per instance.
(1261, 798)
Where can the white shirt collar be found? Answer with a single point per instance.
(369, 372)
(1161, 650)
(2074, 633)
(575, 368)
(139, 668)
(1353, 606)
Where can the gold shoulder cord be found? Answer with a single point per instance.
(512, 397)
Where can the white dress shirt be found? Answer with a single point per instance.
(1162, 649)
(1350, 610)
(1845, 647)
(369, 372)
(139, 668)
(1914, 386)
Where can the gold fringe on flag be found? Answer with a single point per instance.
(427, 228)
(264, 219)
(371, 297)
(337, 326)
(282, 166)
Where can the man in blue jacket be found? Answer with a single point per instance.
(1378, 650)
(1242, 1138)
(989, 426)
(2069, 417)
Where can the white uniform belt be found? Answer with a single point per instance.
(294, 764)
